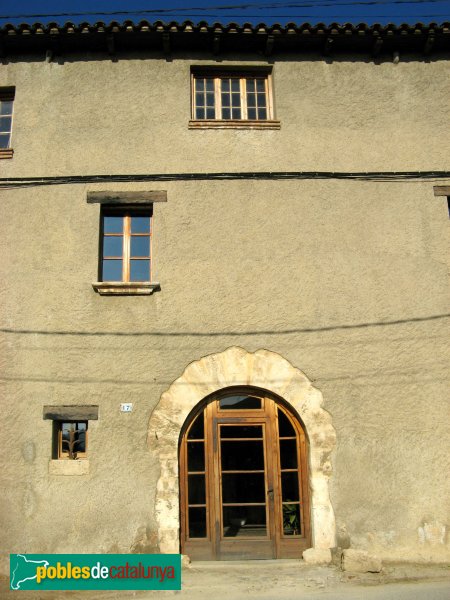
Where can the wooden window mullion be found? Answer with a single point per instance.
(193, 102)
(218, 98)
(243, 88)
(268, 88)
(126, 248)
(60, 452)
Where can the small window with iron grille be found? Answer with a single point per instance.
(232, 98)
(71, 439)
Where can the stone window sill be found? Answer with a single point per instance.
(6, 153)
(233, 124)
(125, 288)
(69, 467)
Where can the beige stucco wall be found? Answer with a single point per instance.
(280, 265)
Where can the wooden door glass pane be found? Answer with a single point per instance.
(196, 489)
(197, 522)
(242, 456)
(288, 454)
(195, 456)
(240, 403)
(289, 486)
(244, 521)
(241, 431)
(197, 429)
(285, 427)
(243, 488)
(291, 519)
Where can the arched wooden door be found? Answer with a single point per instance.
(243, 480)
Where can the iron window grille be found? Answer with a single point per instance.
(72, 439)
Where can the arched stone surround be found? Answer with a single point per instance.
(237, 367)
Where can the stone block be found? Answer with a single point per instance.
(185, 561)
(317, 556)
(68, 467)
(360, 561)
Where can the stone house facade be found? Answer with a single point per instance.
(225, 289)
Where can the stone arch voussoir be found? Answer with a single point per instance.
(237, 367)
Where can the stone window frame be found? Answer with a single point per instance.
(126, 201)
(7, 94)
(241, 73)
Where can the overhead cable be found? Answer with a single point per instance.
(23, 182)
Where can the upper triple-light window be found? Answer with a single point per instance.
(222, 99)
(6, 114)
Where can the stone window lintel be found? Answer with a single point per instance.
(124, 198)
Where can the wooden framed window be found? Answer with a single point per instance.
(72, 438)
(126, 242)
(6, 116)
(230, 99)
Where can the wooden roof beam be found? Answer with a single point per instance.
(216, 43)
(429, 44)
(329, 42)
(110, 44)
(269, 45)
(166, 42)
(376, 48)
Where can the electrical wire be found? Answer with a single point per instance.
(393, 176)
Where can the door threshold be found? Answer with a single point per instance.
(248, 562)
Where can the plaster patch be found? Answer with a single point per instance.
(29, 451)
(432, 533)
(145, 541)
(29, 501)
